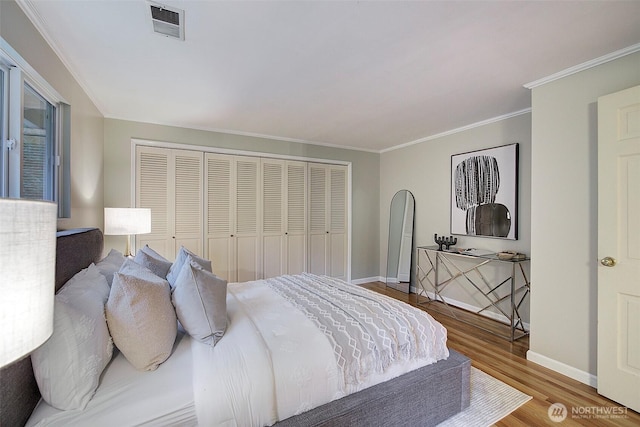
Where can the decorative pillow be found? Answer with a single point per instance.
(174, 271)
(155, 262)
(200, 299)
(68, 366)
(110, 264)
(141, 317)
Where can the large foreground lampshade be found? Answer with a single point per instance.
(27, 275)
(127, 221)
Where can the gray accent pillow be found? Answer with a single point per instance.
(200, 299)
(140, 316)
(152, 260)
(110, 264)
(176, 267)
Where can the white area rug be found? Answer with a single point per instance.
(491, 400)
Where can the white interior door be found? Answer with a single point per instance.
(619, 247)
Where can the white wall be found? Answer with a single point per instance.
(424, 169)
(564, 216)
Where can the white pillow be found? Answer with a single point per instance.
(140, 316)
(68, 366)
(200, 299)
(176, 267)
(110, 264)
(152, 260)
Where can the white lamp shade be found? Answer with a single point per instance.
(125, 221)
(27, 275)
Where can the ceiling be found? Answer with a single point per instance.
(366, 75)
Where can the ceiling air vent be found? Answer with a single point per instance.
(167, 21)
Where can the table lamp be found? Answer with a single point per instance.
(127, 221)
(27, 276)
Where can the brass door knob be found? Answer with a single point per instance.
(608, 261)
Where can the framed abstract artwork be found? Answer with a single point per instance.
(484, 193)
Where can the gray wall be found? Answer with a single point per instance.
(424, 169)
(86, 121)
(365, 176)
(564, 215)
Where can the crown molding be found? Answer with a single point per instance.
(458, 130)
(584, 66)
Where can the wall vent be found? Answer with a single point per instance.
(167, 21)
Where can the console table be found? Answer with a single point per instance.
(436, 270)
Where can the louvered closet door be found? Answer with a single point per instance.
(248, 253)
(188, 201)
(220, 214)
(318, 227)
(296, 217)
(169, 182)
(152, 191)
(338, 222)
(273, 226)
(328, 220)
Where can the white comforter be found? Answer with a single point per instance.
(276, 359)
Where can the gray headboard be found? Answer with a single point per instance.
(19, 394)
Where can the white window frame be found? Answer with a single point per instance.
(19, 73)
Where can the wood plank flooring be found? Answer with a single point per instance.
(507, 362)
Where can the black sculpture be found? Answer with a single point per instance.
(444, 241)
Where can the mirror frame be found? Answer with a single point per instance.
(393, 238)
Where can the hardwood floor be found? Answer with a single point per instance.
(507, 362)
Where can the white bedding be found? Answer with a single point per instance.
(273, 362)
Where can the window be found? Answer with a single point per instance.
(4, 120)
(38, 147)
(34, 131)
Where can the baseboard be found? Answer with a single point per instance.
(463, 305)
(564, 369)
(367, 280)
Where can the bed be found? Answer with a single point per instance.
(262, 371)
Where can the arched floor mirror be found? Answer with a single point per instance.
(400, 244)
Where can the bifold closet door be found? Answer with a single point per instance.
(296, 217)
(231, 216)
(169, 182)
(328, 220)
(284, 225)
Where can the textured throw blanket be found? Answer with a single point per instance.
(368, 331)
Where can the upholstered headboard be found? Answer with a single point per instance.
(19, 394)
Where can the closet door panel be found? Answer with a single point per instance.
(328, 220)
(220, 214)
(318, 228)
(248, 254)
(296, 217)
(338, 222)
(273, 234)
(220, 251)
(247, 258)
(188, 201)
(152, 192)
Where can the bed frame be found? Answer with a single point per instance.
(19, 394)
(424, 397)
